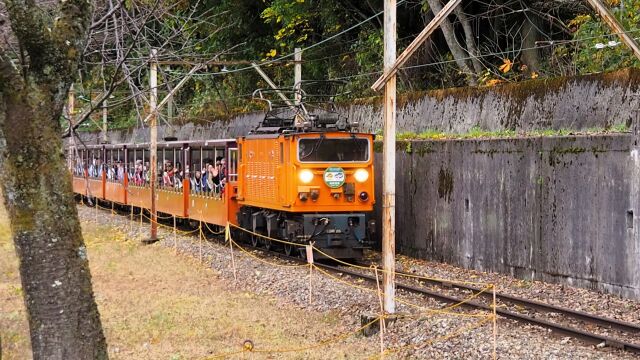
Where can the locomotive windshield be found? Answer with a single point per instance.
(333, 150)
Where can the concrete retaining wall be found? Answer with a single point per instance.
(563, 209)
(577, 103)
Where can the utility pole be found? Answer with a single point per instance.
(72, 103)
(105, 113)
(71, 110)
(388, 81)
(613, 23)
(389, 161)
(153, 127)
(297, 73)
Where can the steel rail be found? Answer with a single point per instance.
(558, 328)
(538, 305)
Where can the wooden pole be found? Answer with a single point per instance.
(613, 23)
(153, 100)
(71, 110)
(171, 93)
(392, 69)
(297, 73)
(495, 325)
(389, 161)
(175, 236)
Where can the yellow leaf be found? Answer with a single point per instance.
(534, 75)
(493, 82)
(272, 53)
(506, 67)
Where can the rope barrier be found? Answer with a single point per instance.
(461, 282)
(248, 345)
(214, 232)
(235, 244)
(266, 237)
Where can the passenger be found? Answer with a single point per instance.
(212, 178)
(92, 168)
(223, 172)
(110, 173)
(177, 176)
(205, 176)
(196, 182)
(120, 171)
(139, 175)
(166, 179)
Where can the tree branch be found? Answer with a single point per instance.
(70, 34)
(29, 26)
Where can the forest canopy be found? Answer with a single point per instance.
(484, 43)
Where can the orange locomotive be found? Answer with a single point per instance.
(301, 176)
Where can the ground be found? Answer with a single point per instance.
(155, 304)
(177, 299)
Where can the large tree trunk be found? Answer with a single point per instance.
(63, 316)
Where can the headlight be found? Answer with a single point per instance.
(305, 176)
(361, 175)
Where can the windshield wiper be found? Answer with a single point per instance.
(314, 149)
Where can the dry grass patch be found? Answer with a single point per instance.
(156, 305)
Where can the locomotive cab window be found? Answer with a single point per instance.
(333, 150)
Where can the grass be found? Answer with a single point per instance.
(158, 305)
(478, 133)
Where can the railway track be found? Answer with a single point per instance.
(558, 328)
(586, 336)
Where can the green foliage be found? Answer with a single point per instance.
(595, 54)
(255, 30)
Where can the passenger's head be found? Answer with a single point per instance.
(198, 174)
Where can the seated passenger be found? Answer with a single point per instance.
(119, 171)
(213, 181)
(166, 179)
(196, 182)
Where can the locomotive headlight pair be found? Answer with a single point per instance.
(361, 175)
(305, 176)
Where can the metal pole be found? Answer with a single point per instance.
(613, 23)
(297, 73)
(105, 113)
(271, 84)
(389, 161)
(153, 101)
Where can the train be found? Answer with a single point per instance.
(304, 174)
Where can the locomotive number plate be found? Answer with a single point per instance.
(334, 177)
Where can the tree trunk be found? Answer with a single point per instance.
(54, 269)
(459, 54)
(63, 316)
(529, 36)
(472, 48)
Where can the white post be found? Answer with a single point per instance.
(153, 126)
(297, 73)
(389, 161)
(105, 114)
